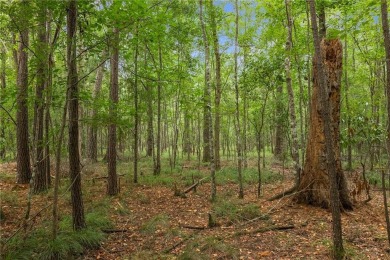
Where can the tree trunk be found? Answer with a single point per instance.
(207, 125)
(23, 151)
(323, 182)
(92, 140)
(238, 129)
(293, 120)
(112, 183)
(3, 83)
(206, 96)
(386, 34)
(157, 168)
(279, 140)
(218, 89)
(150, 138)
(187, 135)
(322, 20)
(40, 179)
(315, 181)
(74, 155)
(349, 130)
(136, 112)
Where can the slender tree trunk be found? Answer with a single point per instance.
(349, 132)
(157, 168)
(259, 141)
(206, 96)
(386, 34)
(218, 88)
(92, 138)
(136, 112)
(187, 135)
(331, 53)
(40, 180)
(74, 155)
(387, 218)
(279, 140)
(176, 128)
(293, 120)
(112, 183)
(207, 125)
(22, 136)
(58, 166)
(238, 127)
(321, 21)
(150, 138)
(2, 95)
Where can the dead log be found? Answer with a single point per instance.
(182, 194)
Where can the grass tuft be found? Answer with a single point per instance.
(159, 222)
(68, 243)
(234, 211)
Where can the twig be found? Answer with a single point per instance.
(9, 115)
(262, 217)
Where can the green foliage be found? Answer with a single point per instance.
(40, 245)
(164, 179)
(234, 211)
(250, 176)
(375, 178)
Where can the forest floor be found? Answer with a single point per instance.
(149, 222)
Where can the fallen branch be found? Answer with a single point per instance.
(193, 186)
(262, 217)
(193, 227)
(284, 193)
(262, 230)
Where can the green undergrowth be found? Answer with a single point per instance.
(159, 222)
(38, 244)
(375, 178)
(250, 176)
(234, 211)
